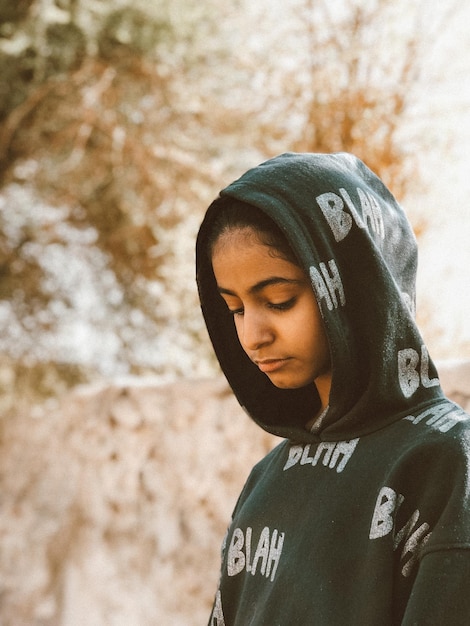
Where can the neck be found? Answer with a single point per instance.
(323, 385)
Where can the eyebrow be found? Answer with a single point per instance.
(273, 280)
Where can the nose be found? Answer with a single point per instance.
(254, 330)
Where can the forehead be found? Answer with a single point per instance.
(236, 236)
(240, 261)
(239, 245)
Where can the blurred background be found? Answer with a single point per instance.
(120, 120)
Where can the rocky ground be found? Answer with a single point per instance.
(114, 505)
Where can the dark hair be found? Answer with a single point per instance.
(235, 215)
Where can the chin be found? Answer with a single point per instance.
(289, 384)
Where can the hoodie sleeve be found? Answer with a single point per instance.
(440, 595)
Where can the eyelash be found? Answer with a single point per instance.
(281, 306)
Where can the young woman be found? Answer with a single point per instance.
(361, 515)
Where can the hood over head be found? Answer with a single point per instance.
(353, 240)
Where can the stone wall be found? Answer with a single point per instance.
(114, 505)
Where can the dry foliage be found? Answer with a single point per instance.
(129, 126)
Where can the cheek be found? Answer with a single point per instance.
(315, 333)
(238, 323)
(311, 318)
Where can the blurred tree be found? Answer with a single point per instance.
(119, 124)
(94, 188)
(355, 81)
(13, 12)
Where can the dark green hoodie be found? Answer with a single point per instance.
(366, 520)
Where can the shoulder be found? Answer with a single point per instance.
(275, 456)
(433, 463)
(441, 428)
(442, 417)
(266, 466)
(263, 469)
(428, 455)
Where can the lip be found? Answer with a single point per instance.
(271, 365)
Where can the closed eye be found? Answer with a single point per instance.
(275, 306)
(283, 306)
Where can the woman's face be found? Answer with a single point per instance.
(276, 314)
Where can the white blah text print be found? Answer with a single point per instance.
(263, 559)
(340, 221)
(335, 454)
(413, 536)
(413, 371)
